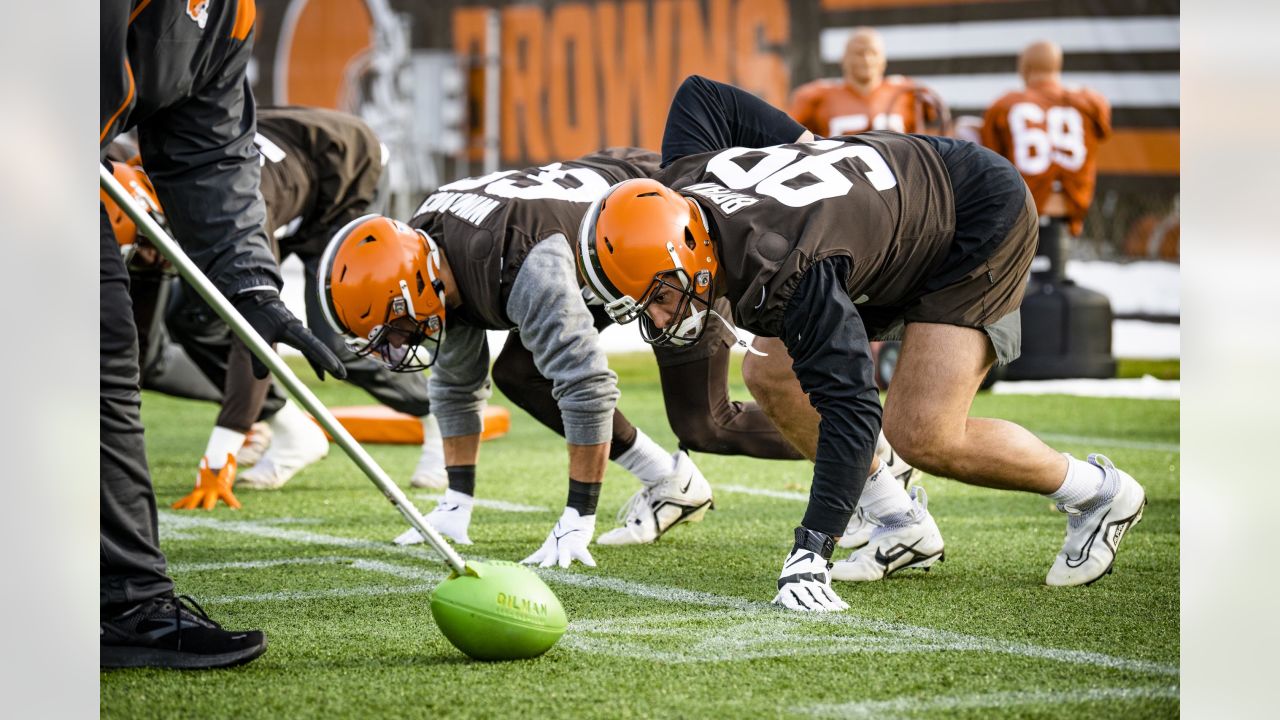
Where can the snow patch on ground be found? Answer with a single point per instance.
(1146, 388)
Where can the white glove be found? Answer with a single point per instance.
(567, 542)
(804, 583)
(451, 518)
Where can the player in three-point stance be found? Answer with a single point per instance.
(820, 245)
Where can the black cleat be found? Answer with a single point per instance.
(164, 632)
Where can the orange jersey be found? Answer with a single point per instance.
(831, 108)
(1052, 134)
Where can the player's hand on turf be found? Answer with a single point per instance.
(211, 487)
(267, 313)
(805, 584)
(567, 542)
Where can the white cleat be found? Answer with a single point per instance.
(296, 442)
(684, 496)
(917, 543)
(861, 525)
(1094, 533)
(256, 442)
(451, 518)
(897, 466)
(430, 472)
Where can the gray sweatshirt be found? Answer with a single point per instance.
(556, 327)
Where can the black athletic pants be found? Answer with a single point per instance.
(131, 566)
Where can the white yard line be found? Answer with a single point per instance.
(501, 505)
(892, 637)
(911, 706)
(778, 494)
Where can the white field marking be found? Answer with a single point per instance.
(910, 706)
(325, 594)
(923, 636)
(502, 505)
(180, 567)
(779, 494)
(1109, 442)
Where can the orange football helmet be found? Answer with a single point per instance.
(136, 182)
(642, 236)
(380, 288)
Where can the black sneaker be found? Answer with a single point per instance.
(164, 632)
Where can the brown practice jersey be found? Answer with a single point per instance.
(320, 169)
(882, 199)
(487, 225)
(831, 107)
(1051, 134)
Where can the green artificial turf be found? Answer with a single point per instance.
(681, 628)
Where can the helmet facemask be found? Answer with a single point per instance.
(381, 291)
(401, 342)
(689, 319)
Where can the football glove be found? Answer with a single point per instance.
(266, 312)
(805, 583)
(211, 487)
(567, 542)
(451, 518)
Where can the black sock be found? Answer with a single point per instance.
(462, 478)
(583, 497)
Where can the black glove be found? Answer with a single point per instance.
(267, 313)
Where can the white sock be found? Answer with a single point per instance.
(1082, 484)
(459, 498)
(222, 442)
(884, 498)
(647, 460)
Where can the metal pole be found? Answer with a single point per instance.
(189, 272)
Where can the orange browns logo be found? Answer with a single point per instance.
(198, 10)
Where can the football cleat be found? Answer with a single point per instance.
(897, 466)
(451, 518)
(430, 472)
(256, 442)
(914, 543)
(804, 583)
(861, 525)
(1094, 533)
(683, 496)
(296, 442)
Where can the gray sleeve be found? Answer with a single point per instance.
(201, 158)
(557, 328)
(459, 386)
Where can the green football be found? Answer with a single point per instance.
(498, 611)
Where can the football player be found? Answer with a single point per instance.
(1051, 134)
(493, 253)
(819, 246)
(864, 99)
(319, 169)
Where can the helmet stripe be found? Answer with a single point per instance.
(324, 274)
(588, 257)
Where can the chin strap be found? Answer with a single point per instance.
(742, 343)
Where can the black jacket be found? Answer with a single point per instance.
(177, 74)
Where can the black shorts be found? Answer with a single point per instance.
(981, 281)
